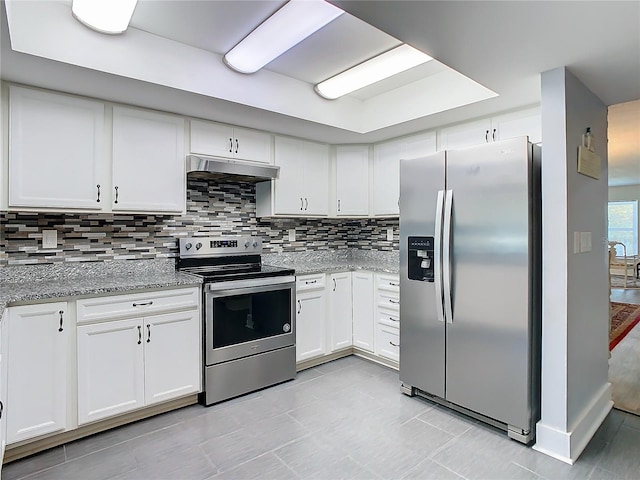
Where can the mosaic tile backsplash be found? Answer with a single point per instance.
(213, 208)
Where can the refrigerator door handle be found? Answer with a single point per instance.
(437, 253)
(446, 256)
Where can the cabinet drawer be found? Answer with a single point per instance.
(390, 319)
(136, 304)
(310, 282)
(389, 301)
(388, 342)
(388, 283)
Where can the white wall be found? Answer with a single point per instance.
(627, 193)
(576, 394)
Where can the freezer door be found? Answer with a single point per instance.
(488, 340)
(421, 330)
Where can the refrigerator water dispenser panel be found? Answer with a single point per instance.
(420, 258)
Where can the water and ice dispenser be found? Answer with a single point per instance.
(421, 258)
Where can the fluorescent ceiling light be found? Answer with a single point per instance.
(373, 70)
(104, 16)
(294, 22)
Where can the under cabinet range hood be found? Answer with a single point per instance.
(224, 168)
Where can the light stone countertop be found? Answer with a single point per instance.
(51, 281)
(333, 261)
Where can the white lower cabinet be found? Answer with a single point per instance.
(3, 390)
(388, 340)
(127, 364)
(37, 370)
(311, 314)
(387, 305)
(340, 313)
(363, 311)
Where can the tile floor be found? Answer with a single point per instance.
(341, 420)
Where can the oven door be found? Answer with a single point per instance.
(246, 317)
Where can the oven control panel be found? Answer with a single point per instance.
(219, 246)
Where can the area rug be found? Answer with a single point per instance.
(617, 281)
(624, 316)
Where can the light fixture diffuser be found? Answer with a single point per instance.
(104, 16)
(295, 21)
(373, 70)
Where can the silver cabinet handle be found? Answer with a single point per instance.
(307, 282)
(393, 319)
(116, 187)
(299, 307)
(493, 135)
(306, 203)
(338, 205)
(237, 145)
(301, 204)
(98, 199)
(148, 332)
(61, 312)
(486, 136)
(231, 145)
(334, 284)
(394, 284)
(394, 344)
(391, 300)
(143, 304)
(139, 334)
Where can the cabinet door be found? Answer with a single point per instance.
(352, 180)
(252, 145)
(37, 370)
(172, 356)
(3, 389)
(208, 138)
(148, 161)
(310, 325)
(55, 150)
(420, 145)
(388, 342)
(340, 316)
(315, 160)
(386, 177)
(363, 311)
(519, 124)
(288, 188)
(110, 369)
(465, 135)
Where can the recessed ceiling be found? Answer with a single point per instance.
(624, 144)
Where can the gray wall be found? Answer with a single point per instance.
(575, 389)
(213, 208)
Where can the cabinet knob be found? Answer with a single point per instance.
(188, 246)
(198, 246)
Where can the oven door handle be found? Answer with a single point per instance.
(224, 287)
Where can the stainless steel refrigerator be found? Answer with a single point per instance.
(470, 296)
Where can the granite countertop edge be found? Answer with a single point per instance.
(82, 286)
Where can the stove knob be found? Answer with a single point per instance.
(246, 244)
(255, 244)
(198, 246)
(188, 246)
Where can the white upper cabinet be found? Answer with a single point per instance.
(303, 185)
(386, 168)
(218, 140)
(465, 135)
(501, 127)
(519, 124)
(56, 154)
(352, 180)
(148, 161)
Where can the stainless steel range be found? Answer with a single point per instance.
(248, 314)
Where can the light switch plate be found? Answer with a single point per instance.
(390, 234)
(292, 235)
(49, 238)
(585, 241)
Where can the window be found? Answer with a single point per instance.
(623, 225)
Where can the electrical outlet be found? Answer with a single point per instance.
(49, 238)
(390, 234)
(585, 242)
(292, 235)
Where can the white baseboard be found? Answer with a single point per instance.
(567, 446)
